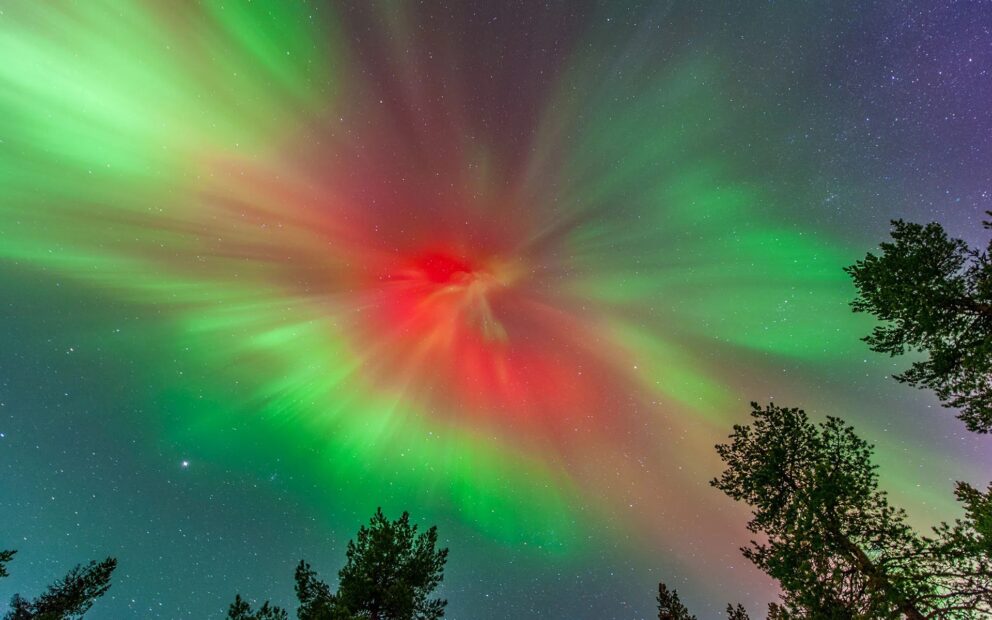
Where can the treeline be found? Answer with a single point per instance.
(390, 572)
(826, 531)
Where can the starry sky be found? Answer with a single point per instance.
(514, 267)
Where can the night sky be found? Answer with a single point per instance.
(514, 267)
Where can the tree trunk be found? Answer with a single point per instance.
(879, 581)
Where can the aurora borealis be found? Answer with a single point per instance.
(514, 267)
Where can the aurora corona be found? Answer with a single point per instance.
(524, 297)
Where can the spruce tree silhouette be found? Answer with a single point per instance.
(5, 557)
(833, 542)
(934, 295)
(670, 606)
(830, 538)
(390, 573)
(241, 610)
(70, 597)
